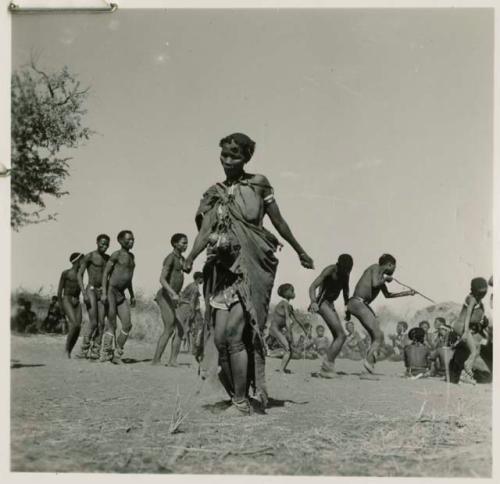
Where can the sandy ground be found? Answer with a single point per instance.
(82, 416)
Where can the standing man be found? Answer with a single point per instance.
(93, 263)
(117, 278)
(372, 282)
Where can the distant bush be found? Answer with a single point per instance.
(147, 323)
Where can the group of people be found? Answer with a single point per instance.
(238, 277)
(105, 299)
(26, 320)
(461, 351)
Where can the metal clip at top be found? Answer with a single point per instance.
(4, 171)
(109, 8)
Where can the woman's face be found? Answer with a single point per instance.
(232, 159)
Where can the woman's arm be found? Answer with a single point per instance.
(284, 230)
(199, 244)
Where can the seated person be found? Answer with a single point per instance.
(52, 322)
(320, 342)
(416, 354)
(427, 338)
(399, 341)
(25, 321)
(442, 353)
(303, 349)
(354, 348)
(436, 336)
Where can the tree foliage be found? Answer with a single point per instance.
(47, 117)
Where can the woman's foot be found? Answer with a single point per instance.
(239, 408)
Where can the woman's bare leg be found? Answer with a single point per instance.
(225, 375)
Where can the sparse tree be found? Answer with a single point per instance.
(47, 117)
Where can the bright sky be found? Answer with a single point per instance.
(375, 128)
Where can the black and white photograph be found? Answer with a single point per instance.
(252, 241)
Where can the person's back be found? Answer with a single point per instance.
(416, 354)
(416, 358)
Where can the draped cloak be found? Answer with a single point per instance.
(249, 271)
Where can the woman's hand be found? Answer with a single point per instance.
(306, 261)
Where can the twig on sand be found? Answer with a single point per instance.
(421, 412)
(263, 450)
(178, 416)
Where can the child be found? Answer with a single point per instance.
(94, 263)
(283, 317)
(372, 282)
(189, 305)
(116, 278)
(167, 298)
(321, 343)
(68, 294)
(323, 292)
(471, 326)
(416, 354)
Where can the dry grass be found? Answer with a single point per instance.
(89, 417)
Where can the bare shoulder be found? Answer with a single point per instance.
(260, 179)
(168, 259)
(330, 270)
(114, 256)
(282, 305)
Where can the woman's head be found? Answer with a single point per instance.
(236, 150)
